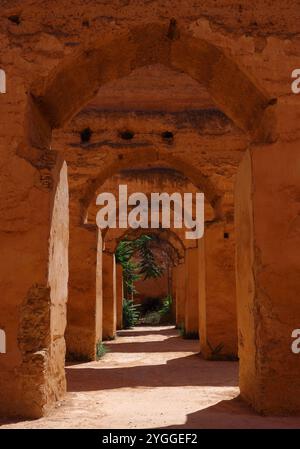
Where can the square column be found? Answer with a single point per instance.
(34, 286)
(268, 276)
(179, 284)
(84, 317)
(191, 322)
(109, 296)
(217, 293)
(120, 294)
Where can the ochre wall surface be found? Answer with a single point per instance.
(242, 55)
(268, 277)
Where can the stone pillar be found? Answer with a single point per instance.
(173, 293)
(119, 292)
(217, 293)
(191, 322)
(34, 241)
(179, 275)
(109, 296)
(268, 275)
(84, 317)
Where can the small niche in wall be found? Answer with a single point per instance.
(85, 135)
(15, 18)
(167, 135)
(2, 82)
(126, 135)
(2, 342)
(226, 235)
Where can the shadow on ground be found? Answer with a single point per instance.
(174, 371)
(168, 345)
(234, 414)
(154, 379)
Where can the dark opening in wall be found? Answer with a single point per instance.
(85, 135)
(226, 235)
(167, 135)
(15, 19)
(126, 135)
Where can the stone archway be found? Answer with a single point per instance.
(69, 86)
(161, 239)
(86, 241)
(44, 181)
(150, 157)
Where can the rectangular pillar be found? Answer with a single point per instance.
(268, 275)
(217, 293)
(179, 275)
(119, 292)
(109, 296)
(34, 286)
(191, 322)
(84, 309)
(173, 293)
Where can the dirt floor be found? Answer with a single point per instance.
(152, 378)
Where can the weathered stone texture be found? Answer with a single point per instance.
(230, 95)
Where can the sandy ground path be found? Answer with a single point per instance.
(152, 378)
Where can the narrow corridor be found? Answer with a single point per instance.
(149, 378)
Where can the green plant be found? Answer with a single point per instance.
(124, 252)
(180, 328)
(167, 306)
(101, 350)
(130, 276)
(166, 310)
(130, 313)
(146, 268)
